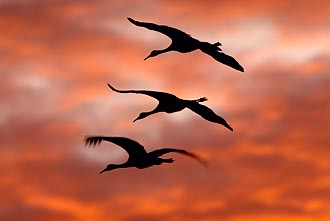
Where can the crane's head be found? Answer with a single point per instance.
(153, 54)
(141, 116)
(109, 167)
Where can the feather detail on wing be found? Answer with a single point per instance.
(166, 30)
(207, 114)
(160, 152)
(215, 53)
(133, 148)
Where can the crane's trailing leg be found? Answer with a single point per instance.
(202, 99)
(170, 160)
(217, 44)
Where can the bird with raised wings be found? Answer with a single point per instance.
(138, 156)
(183, 42)
(170, 103)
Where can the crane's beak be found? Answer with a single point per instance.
(103, 171)
(147, 57)
(135, 119)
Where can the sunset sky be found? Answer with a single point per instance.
(57, 56)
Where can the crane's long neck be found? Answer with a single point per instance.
(158, 52)
(116, 166)
(123, 165)
(161, 51)
(146, 114)
(120, 91)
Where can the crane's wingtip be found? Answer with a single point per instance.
(241, 69)
(203, 161)
(92, 141)
(229, 128)
(86, 140)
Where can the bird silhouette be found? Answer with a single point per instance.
(183, 42)
(170, 103)
(138, 157)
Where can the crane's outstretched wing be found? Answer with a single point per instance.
(207, 114)
(215, 53)
(160, 152)
(155, 94)
(133, 148)
(166, 30)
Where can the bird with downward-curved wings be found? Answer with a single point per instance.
(182, 42)
(170, 103)
(138, 156)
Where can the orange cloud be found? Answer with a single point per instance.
(56, 58)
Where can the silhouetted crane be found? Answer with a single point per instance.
(138, 157)
(182, 42)
(170, 103)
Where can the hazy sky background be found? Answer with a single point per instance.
(56, 58)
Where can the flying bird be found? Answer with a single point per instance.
(183, 42)
(170, 103)
(138, 156)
